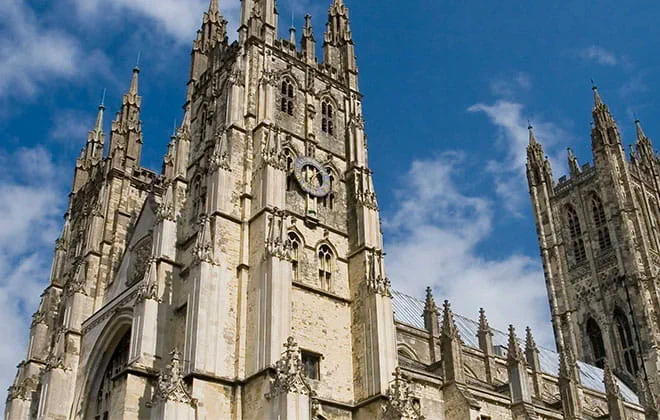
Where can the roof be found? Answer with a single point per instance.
(410, 311)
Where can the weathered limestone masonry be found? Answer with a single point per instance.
(247, 280)
(600, 242)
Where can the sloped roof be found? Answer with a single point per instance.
(410, 311)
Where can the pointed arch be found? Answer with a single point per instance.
(600, 222)
(112, 337)
(288, 91)
(405, 350)
(595, 336)
(575, 235)
(329, 111)
(626, 341)
(326, 257)
(297, 247)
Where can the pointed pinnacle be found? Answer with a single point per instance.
(514, 351)
(530, 344)
(213, 7)
(597, 98)
(532, 137)
(430, 302)
(448, 323)
(134, 81)
(611, 385)
(640, 131)
(483, 321)
(98, 127)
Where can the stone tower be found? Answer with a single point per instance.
(246, 281)
(600, 244)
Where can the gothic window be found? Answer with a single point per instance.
(626, 341)
(596, 339)
(296, 247)
(287, 96)
(325, 266)
(198, 196)
(600, 222)
(311, 364)
(327, 117)
(106, 388)
(575, 234)
(328, 200)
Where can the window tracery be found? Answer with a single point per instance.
(325, 257)
(626, 341)
(106, 388)
(328, 201)
(600, 222)
(597, 345)
(575, 234)
(296, 247)
(327, 117)
(287, 97)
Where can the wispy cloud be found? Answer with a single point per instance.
(30, 211)
(437, 229)
(70, 127)
(33, 54)
(599, 55)
(512, 137)
(178, 18)
(511, 86)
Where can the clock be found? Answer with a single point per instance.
(312, 177)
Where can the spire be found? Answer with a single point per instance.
(613, 393)
(573, 164)
(213, 7)
(640, 131)
(532, 136)
(307, 43)
(292, 35)
(530, 344)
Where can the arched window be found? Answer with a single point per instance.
(328, 201)
(107, 386)
(327, 117)
(626, 341)
(600, 222)
(596, 339)
(290, 177)
(296, 247)
(325, 266)
(575, 233)
(287, 96)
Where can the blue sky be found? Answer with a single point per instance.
(449, 87)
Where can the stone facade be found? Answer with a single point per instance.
(247, 281)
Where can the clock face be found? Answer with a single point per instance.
(312, 177)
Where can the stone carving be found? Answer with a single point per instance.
(401, 403)
(39, 317)
(220, 157)
(203, 249)
(170, 383)
(77, 283)
(289, 376)
(377, 282)
(277, 243)
(271, 149)
(140, 257)
(54, 362)
(148, 289)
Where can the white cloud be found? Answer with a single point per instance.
(178, 18)
(30, 211)
(70, 127)
(600, 55)
(32, 54)
(513, 136)
(433, 237)
(509, 87)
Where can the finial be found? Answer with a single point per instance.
(573, 164)
(134, 81)
(597, 98)
(611, 385)
(102, 104)
(448, 324)
(292, 35)
(213, 6)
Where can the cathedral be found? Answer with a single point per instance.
(246, 279)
